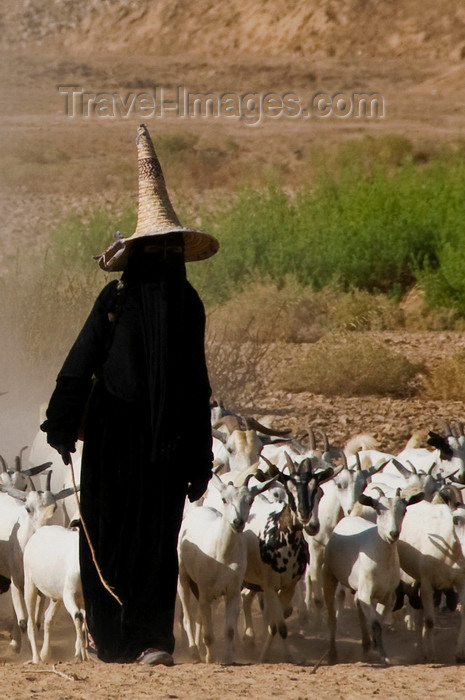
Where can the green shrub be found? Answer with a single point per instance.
(349, 365)
(380, 232)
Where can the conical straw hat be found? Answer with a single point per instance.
(155, 214)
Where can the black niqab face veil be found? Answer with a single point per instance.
(157, 282)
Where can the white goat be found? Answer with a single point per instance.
(275, 452)
(396, 475)
(448, 457)
(212, 562)
(237, 443)
(51, 569)
(340, 494)
(432, 554)
(16, 478)
(41, 451)
(21, 514)
(363, 557)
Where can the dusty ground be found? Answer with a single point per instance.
(51, 164)
(351, 678)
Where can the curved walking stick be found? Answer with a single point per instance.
(86, 532)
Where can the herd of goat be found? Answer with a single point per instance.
(281, 520)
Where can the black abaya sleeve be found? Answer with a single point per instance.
(74, 380)
(198, 393)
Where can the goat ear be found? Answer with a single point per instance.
(416, 498)
(14, 493)
(325, 475)
(441, 444)
(260, 475)
(64, 493)
(377, 468)
(259, 488)
(367, 501)
(337, 470)
(451, 496)
(401, 468)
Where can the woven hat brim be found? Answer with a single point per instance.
(197, 246)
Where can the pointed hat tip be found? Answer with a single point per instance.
(142, 131)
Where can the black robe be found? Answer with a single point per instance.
(147, 435)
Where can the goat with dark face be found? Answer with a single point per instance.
(276, 548)
(302, 486)
(450, 453)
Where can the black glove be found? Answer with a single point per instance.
(64, 451)
(197, 488)
(63, 445)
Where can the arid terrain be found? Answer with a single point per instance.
(411, 53)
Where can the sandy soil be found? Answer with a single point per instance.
(351, 678)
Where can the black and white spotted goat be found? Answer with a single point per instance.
(277, 552)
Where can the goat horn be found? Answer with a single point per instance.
(253, 423)
(17, 464)
(32, 471)
(414, 470)
(273, 467)
(49, 480)
(380, 491)
(219, 435)
(231, 423)
(247, 479)
(289, 463)
(358, 464)
(344, 458)
(452, 474)
(21, 456)
(325, 442)
(3, 464)
(311, 439)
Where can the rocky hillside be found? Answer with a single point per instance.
(319, 28)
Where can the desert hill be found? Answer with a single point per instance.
(319, 28)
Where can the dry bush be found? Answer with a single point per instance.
(235, 368)
(349, 365)
(446, 381)
(360, 310)
(268, 313)
(296, 314)
(418, 316)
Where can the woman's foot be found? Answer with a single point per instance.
(155, 657)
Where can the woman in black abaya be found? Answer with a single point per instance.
(147, 435)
